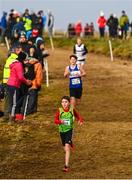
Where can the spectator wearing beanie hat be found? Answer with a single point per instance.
(35, 33)
(101, 23)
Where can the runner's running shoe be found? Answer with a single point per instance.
(66, 169)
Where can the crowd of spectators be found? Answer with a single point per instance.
(117, 27)
(24, 67)
(78, 29)
(13, 23)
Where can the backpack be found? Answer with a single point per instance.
(29, 71)
(2, 91)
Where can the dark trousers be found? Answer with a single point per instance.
(123, 33)
(30, 102)
(101, 31)
(6, 102)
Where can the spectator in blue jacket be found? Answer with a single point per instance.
(3, 26)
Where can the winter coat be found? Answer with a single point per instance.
(36, 82)
(78, 28)
(123, 20)
(16, 74)
(3, 22)
(101, 22)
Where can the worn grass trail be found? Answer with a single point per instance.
(103, 147)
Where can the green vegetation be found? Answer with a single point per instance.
(121, 48)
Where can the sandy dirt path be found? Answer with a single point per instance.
(103, 143)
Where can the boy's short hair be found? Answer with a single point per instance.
(66, 97)
(74, 56)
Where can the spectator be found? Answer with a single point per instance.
(33, 72)
(86, 30)
(34, 20)
(44, 20)
(38, 42)
(15, 51)
(111, 26)
(26, 13)
(50, 23)
(10, 24)
(124, 24)
(40, 23)
(78, 28)
(32, 52)
(13, 86)
(101, 23)
(3, 26)
(34, 36)
(89, 29)
(18, 27)
(130, 25)
(116, 23)
(71, 30)
(12, 76)
(27, 25)
(42, 52)
(24, 42)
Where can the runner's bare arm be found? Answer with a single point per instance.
(66, 72)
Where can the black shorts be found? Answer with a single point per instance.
(66, 137)
(76, 92)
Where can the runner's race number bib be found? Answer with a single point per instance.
(67, 122)
(76, 81)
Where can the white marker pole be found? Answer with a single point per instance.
(47, 72)
(7, 43)
(111, 53)
(26, 105)
(51, 42)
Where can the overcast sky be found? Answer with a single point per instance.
(71, 11)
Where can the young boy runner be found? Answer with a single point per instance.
(64, 117)
(81, 51)
(74, 72)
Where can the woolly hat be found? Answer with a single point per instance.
(35, 32)
(101, 13)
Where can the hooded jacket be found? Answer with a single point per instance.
(16, 74)
(101, 22)
(36, 82)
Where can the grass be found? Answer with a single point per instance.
(121, 48)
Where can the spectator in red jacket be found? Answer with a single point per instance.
(78, 28)
(13, 86)
(101, 23)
